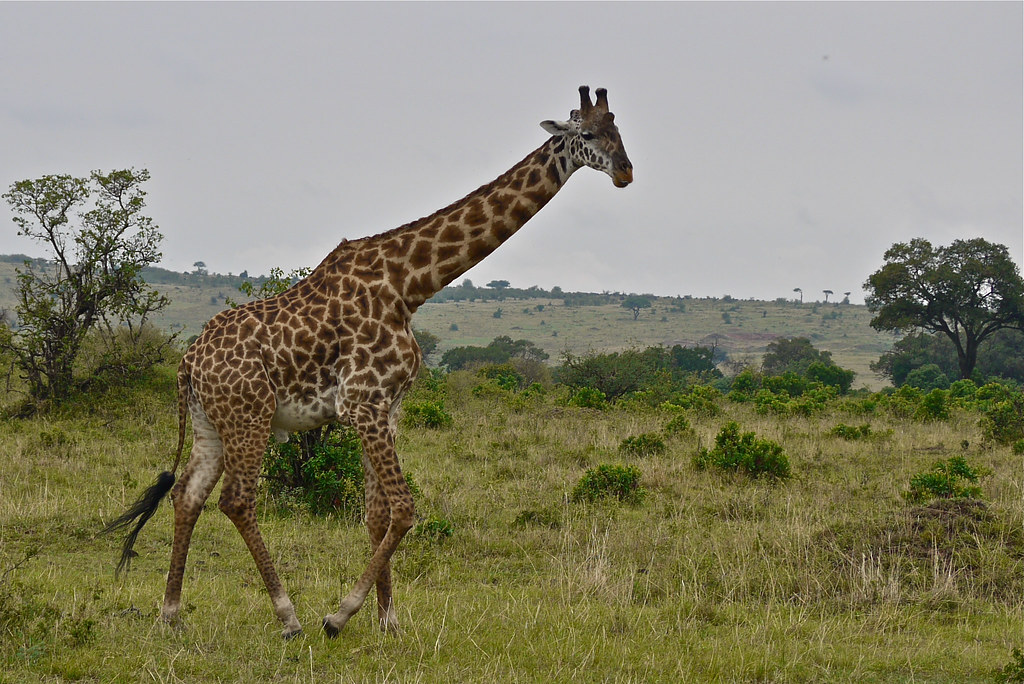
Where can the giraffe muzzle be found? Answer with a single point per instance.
(623, 178)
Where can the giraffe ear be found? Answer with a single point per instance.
(556, 127)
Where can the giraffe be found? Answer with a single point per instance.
(338, 347)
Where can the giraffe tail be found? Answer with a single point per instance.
(143, 509)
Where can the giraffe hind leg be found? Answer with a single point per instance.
(238, 503)
(204, 468)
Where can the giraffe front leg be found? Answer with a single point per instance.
(378, 439)
(378, 517)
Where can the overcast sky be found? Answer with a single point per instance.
(774, 145)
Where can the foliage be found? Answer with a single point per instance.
(274, 284)
(678, 425)
(793, 354)
(1013, 671)
(928, 377)
(610, 481)
(500, 350)
(92, 280)
(426, 340)
(437, 529)
(644, 444)
(659, 370)
(504, 375)
(588, 397)
(701, 399)
(1003, 421)
(851, 432)
(1001, 355)
(953, 478)
(744, 452)
(830, 375)
(635, 303)
(427, 414)
(319, 469)
(967, 291)
(934, 406)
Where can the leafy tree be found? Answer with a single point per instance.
(794, 354)
(99, 242)
(828, 293)
(498, 284)
(967, 291)
(274, 284)
(200, 267)
(797, 289)
(500, 350)
(635, 303)
(426, 340)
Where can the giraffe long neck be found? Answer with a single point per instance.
(425, 255)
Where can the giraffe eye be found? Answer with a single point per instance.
(587, 136)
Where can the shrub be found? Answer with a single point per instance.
(934, 406)
(588, 397)
(1003, 421)
(765, 401)
(504, 374)
(322, 471)
(744, 452)
(433, 528)
(428, 414)
(677, 426)
(849, 432)
(953, 478)
(701, 399)
(608, 481)
(644, 444)
(928, 377)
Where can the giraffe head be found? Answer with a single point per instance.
(592, 138)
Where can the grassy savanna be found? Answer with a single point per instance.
(841, 329)
(829, 575)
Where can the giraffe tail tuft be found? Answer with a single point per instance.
(142, 510)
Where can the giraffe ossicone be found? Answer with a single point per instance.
(338, 347)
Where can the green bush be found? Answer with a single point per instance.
(644, 444)
(1003, 421)
(679, 425)
(745, 453)
(505, 375)
(433, 528)
(934, 406)
(428, 414)
(588, 397)
(928, 377)
(609, 481)
(322, 471)
(850, 432)
(953, 478)
(766, 401)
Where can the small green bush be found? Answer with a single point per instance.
(588, 397)
(851, 432)
(744, 452)
(436, 529)
(953, 478)
(428, 414)
(679, 425)
(934, 406)
(322, 476)
(644, 444)
(1003, 421)
(609, 481)
(1013, 671)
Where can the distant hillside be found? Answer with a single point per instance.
(560, 321)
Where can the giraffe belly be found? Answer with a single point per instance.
(295, 416)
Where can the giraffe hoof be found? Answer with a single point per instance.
(289, 634)
(330, 630)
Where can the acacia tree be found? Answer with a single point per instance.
(966, 291)
(99, 242)
(635, 303)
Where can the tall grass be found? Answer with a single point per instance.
(831, 575)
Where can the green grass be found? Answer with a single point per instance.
(828, 576)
